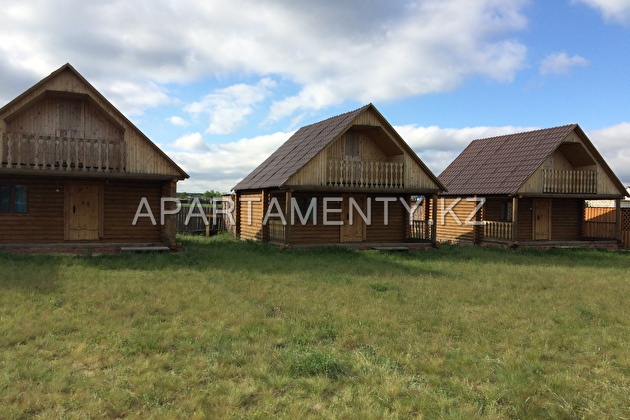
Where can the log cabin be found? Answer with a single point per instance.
(526, 189)
(348, 179)
(74, 170)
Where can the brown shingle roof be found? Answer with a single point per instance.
(500, 165)
(297, 151)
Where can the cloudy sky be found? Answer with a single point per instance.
(219, 85)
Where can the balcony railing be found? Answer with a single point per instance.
(569, 182)
(365, 174)
(497, 230)
(41, 152)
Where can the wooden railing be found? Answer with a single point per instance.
(41, 152)
(421, 230)
(276, 231)
(497, 230)
(569, 182)
(365, 174)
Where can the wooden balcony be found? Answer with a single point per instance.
(365, 174)
(569, 182)
(50, 153)
(497, 230)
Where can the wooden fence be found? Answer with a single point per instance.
(196, 224)
(599, 222)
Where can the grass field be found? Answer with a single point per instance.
(229, 329)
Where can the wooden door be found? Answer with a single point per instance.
(83, 212)
(541, 226)
(354, 232)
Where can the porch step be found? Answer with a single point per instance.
(144, 249)
(391, 248)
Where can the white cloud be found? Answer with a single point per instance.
(330, 51)
(613, 143)
(438, 147)
(222, 166)
(177, 121)
(228, 107)
(561, 63)
(191, 142)
(612, 10)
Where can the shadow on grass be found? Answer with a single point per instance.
(36, 273)
(222, 253)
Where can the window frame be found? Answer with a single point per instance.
(303, 203)
(14, 205)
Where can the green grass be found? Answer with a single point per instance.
(235, 329)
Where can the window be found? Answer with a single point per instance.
(13, 199)
(304, 204)
(506, 212)
(351, 145)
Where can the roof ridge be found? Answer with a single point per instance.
(528, 132)
(360, 109)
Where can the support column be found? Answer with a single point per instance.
(169, 229)
(434, 199)
(287, 216)
(514, 219)
(237, 216)
(477, 228)
(618, 219)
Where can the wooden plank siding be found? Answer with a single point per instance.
(398, 221)
(122, 199)
(45, 222)
(320, 233)
(588, 178)
(566, 219)
(448, 228)
(525, 219)
(372, 149)
(310, 233)
(66, 103)
(251, 229)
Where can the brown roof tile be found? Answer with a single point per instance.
(300, 148)
(500, 165)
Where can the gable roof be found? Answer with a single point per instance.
(305, 144)
(501, 165)
(93, 91)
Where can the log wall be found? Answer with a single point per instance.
(44, 222)
(250, 228)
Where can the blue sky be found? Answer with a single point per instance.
(220, 85)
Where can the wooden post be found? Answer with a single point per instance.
(169, 228)
(434, 215)
(237, 216)
(618, 219)
(514, 219)
(287, 216)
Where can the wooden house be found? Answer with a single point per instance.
(73, 169)
(347, 179)
(526, 188)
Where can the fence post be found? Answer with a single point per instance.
(618, 219)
